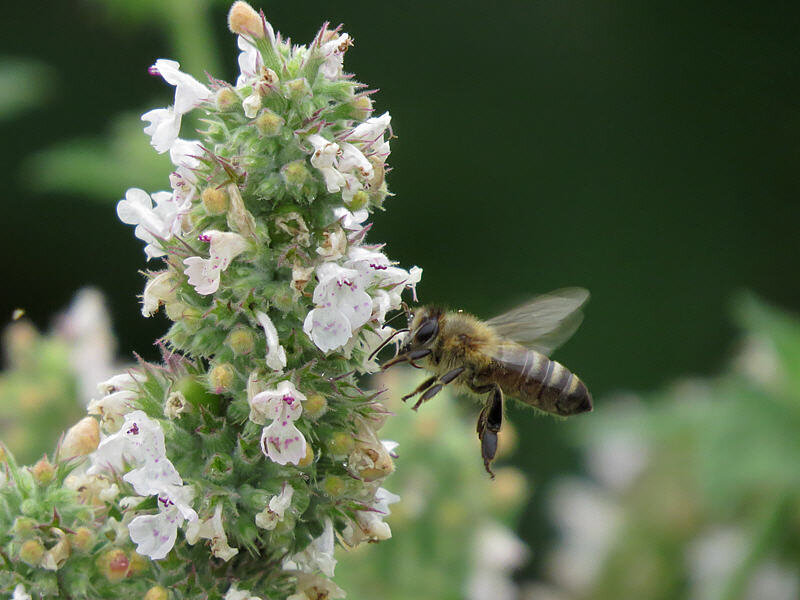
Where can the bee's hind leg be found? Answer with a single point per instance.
(489, 423)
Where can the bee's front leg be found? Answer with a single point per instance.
(489, 423)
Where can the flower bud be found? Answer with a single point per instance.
(81, 439)
(341, 443)
(295, 174)
(156, 593)
(269, 123)
(241, 340)
(362, 106)
(298, 89)
(114, 565)
(334, 486)
(24, 527)
(315, 406)
(358, 201)
(82, 539)
(176, 311)
(226, 99)
(31, 552)
(221, 378)
(137, 564)
(308, 458)
(244, 20)
(215, 200)
(43, 471)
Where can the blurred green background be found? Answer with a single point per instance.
(647, 151)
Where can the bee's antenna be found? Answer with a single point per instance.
(386, 341)
(393, 318)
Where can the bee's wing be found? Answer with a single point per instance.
(546, 321)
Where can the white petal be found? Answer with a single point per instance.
(154, 535)
(276, 355)
(328, 328)
(283, 443)
(203, 274)
(165, 125)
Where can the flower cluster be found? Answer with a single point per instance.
(251, 443)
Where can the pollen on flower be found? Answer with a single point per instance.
(244, 20)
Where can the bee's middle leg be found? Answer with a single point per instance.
(431, 390)
(490, 421)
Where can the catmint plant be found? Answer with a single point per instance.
(234, 467)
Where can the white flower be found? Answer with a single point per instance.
(188, 91)
(154, 224)
(249, 61)
(370, 131)
(119, 395)
(351, 158)
(273, 513)
(317, 556)
(236, 594)
(140, 442)
(285, 400)
(175, 405)
(333, 51)
(343, 306)
(204, 273)
(186, 153)
(165, 125)
(351, 220)
(276, 355)
(324, 159)
(211, 529)
(281, 441)
(370, 522)
(316, 587)
(20, 593)
(154, 535)
(157, 290)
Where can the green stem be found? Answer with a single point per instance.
(768, 532)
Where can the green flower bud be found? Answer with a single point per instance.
(82, 539)
(43, 471)
(341, 443)
(308, 458)
(226, 99)
(241, 340)
(298, 89)
(114, 565)
(215, 200)
(315, 406)
(221, 378)
(31, 552)
(334, 486)
(156, 593)
(24, 527)
(269, 123)
(358, 201)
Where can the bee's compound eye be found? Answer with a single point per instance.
(426, 331)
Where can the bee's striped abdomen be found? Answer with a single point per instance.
(546, 384)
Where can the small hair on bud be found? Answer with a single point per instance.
(244, 20)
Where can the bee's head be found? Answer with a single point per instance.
(423, 328)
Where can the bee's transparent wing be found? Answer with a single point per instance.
(546, 322)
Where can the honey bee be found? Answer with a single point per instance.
(506, 355)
